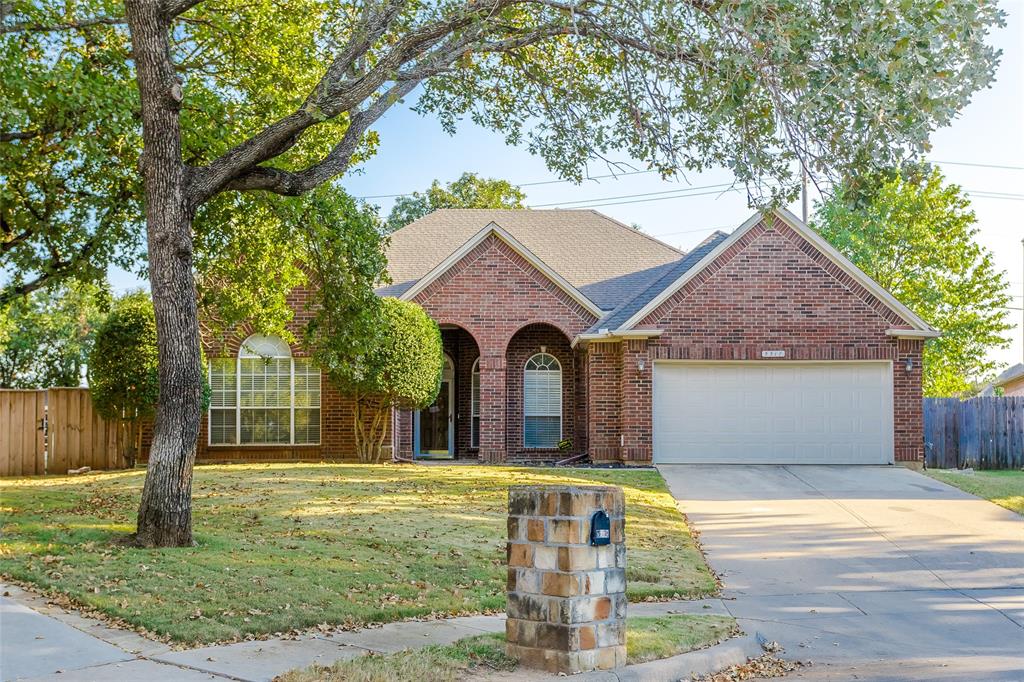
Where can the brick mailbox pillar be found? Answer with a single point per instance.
(566, 597)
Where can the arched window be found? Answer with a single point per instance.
(474, 406)
(542, 402)
(264, 396)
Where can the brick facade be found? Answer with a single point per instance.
(337, 439)
(770, 290)
(492, 294)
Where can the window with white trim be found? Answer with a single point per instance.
(264, 396)
(542, 402)
(474, 406)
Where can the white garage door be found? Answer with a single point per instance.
(773, 413)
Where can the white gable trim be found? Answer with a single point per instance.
(530, 257)
(919, 325)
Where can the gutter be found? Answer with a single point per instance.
(913, 333)
(605, 335)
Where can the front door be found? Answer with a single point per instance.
(435, 425)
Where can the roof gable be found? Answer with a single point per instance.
(919, 328)
(498, 232)
(617, 318)
(605, 260)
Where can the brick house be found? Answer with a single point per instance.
(760, 346)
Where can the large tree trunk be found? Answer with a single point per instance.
(165, 514)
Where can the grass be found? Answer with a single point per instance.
(293, 546)
(647, 639)
(429, 664)
(1005, 488)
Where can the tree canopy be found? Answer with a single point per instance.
(683, 86)
(122, 365)
(469, 191)
(46, 336)
(915, 236)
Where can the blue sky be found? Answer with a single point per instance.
(414, 151)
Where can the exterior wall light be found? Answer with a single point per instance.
(641, 363)
(909, 366)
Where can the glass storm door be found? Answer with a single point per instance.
(434, 425)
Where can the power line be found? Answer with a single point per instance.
(984, 194)
(630, 196)
(991, 195)
(979, 165)
(537, 183)
(686, 193)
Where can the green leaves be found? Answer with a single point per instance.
(469, 191)
(45, 337)
(123, 362)
(916, 237)
(69, 202)
(343, 252)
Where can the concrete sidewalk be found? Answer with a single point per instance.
(41, 641)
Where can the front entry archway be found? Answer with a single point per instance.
(434, 427)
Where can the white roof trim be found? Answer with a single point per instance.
(913, 333)
(530, 256)
(819, 243)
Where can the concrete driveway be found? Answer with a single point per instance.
(876, 573)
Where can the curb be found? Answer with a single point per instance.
(734, 651)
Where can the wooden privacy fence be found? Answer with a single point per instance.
(51, 431)
(984, 433)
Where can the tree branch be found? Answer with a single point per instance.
(291, 183)
(78, 24)
(329, 99)
(173, 8)
(14, 135)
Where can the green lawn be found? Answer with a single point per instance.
(647, 639)
(1005, 488)
(291, 546)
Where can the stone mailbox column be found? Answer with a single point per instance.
(566, 598)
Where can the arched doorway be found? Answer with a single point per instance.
(434, 427)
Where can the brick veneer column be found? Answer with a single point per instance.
(908, 415)
(635, 390)
(604, 369)
(566, 598)
(492, 407)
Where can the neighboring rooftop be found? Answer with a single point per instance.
(1015, 372)
(609, 262)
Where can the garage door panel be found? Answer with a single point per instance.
(773, 412)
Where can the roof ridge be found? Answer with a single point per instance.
(632, 229)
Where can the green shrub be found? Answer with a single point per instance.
(122, 372)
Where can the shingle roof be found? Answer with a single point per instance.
(632, 306)
(607, 261)
(1009, 375)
